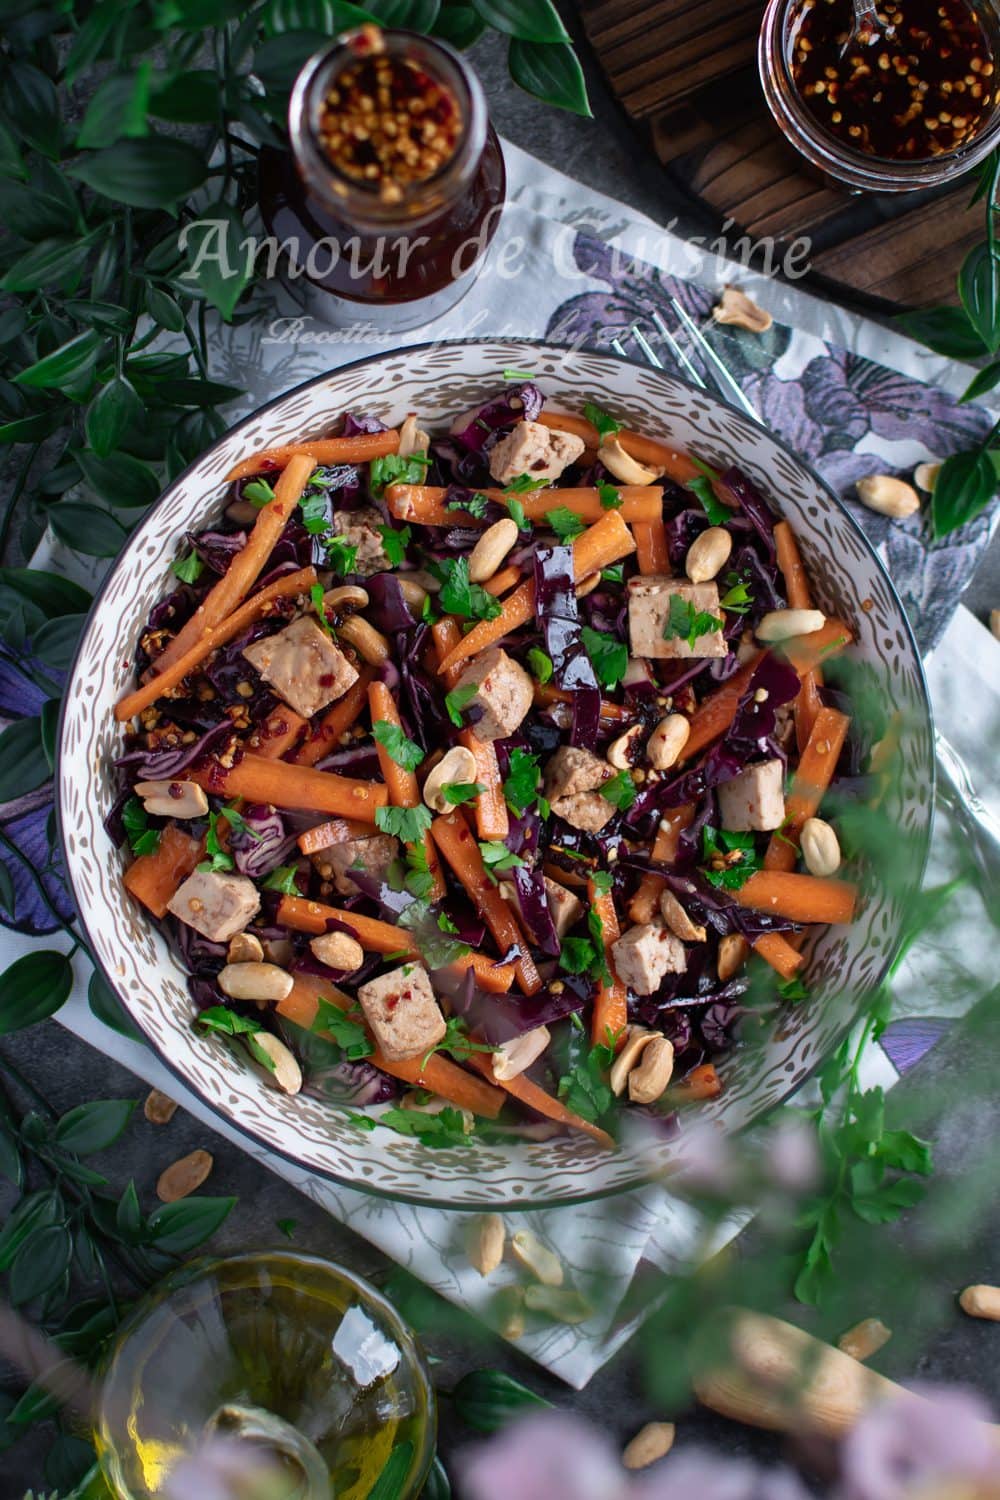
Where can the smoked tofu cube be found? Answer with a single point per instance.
(504, 692)
(372, 853)
(217, 906)
(360, 528)
(401, 1009)
(753, 801)
(303, 666)
(572, 777)
(649, 616)
(564, 907)
(535, 450)
(645, 954)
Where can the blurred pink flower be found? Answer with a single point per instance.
(224, 1469)
(699, 1475)
(914, 1450)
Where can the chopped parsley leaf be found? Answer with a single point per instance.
(445, 923)
(518, 375)
(445, 1128)
(457, 792)
(540, 663)
(458, 699)
(619, 790)
(793, 989)
(346, 1032)
(713, 507)
(218, 1018)
(565, 523)
(395, 543)
(316, 595)
(608, 655)
(595, 927)
(393, 469)
(142, 839)
(610, 497)
(614, 574)
(188, 569)
(605, 424)
(418, 880)
(474, 506)
(603, 881)
(497, 857)
(523, 484)
(687, 623)
(729, 858)
(238, 822)
(282, 879)
(340, 555)
(738, 600)
(585, 1089)
(315, 513)
(457, 1041)
(406, 823)
(577, 955)
(459, 596)
(218, 859)
(521, 785)
(405, 752)
(258, 492)
(517, 514)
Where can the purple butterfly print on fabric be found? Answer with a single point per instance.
(845, 415)
(34, 896)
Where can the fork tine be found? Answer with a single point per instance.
(646, 347)
(619, 348)
(722, 375)
(677, 352)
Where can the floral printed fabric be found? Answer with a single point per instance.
(844, 414)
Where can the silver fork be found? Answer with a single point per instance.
(955, 790)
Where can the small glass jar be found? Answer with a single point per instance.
(391, 246)
(835, 157)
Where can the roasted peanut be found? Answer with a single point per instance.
(736, 308)
(245, 948)
(820, 847)
(172, 799)
(654, 1441)
(411, 439)
(888, 495)
(338, 950)
(537, 1258)
(619, 752)
(254, 981)
(865, 1338)
(995, 622)
(184, 1176)
(637, 1039)
(159, 1108)
(370, 644)
(346, 598)
(784, 624)
(678, 921)
(925, 477)
(622, 465)
(667, 741)
(981, 1302)
(487, 1237)
(656, 1066)
(708, 554)
(414, 594)
(491, 549)
(459, 765)
(282, 1065)
(732, 956)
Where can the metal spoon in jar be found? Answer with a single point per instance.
(864, 27)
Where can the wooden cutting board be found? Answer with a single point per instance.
(686, 73)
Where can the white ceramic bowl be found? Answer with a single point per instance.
(437, 381)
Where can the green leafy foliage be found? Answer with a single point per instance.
(608, 655)
(565, 523)
(443, 1129)
(475, 505)
(394, 543)
(406, 823)
(347, 1031)
(457, 793)
(619, 790)
(521, 785)
(33, 988)
(405, 752)
(135, 820)
(497, 857)
(487, 1400)
(457, 700)
(701, 488)
(540, 663)
(605, 424)
(283, 879)
(459, 596)
(729, 858)
(686, 623)
(394, 469)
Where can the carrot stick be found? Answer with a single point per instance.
(812, 777)
(715, 713)
(337, 831)
(491, 808)
(254, 609)
(646, 900)
(808, 703)
(547, 693)
(652, 553)
(600, 545)
(325, 737)
(652, 451)
(610, 1015)
(436, 1073)
(426, 504)
(701, 1083)
(454, 839)
(775, 948)
(402, 784)
(446, 637)
(801, 898)
(502, 581)
(290, 786)
(245, 568)
(350, 450)
(276, 735)
(521, 1088)
(154, 878)
(383, 937)
(808, 651)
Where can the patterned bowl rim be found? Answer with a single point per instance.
(546, 348)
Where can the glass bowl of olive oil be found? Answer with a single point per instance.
(285, 1357)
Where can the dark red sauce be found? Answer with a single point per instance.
(921, 85)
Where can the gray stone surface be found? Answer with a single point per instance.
(603, 153)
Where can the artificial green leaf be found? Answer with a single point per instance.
(437, 1485)
(459, 25)
(979, 289)
(33, 988)
(195, 392)
(50, 265)
(164, 309)
(49, 724)
(279, 60)
(32, 429)
(52, 594)
(87, 529)
(152, 173)
(11, 1163)
(330, 16)
(117, 108)
(65, 364)
(31, 100)
(487, 1400)
(946, 330)
(107, 1007)
(415, 15)
(23, 766)
(390, 1482)
(530, 20)
(985, 380)
(94, 1126)
(115, 406)
(551, 71)
(219, 262)
(191, 98)
(40, 1264)
(38, 1208)
(91, 37)
(11, 162)
(965, 486)
(181, 1227)
(28, 211)
(119, 479)
(67, 1462)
